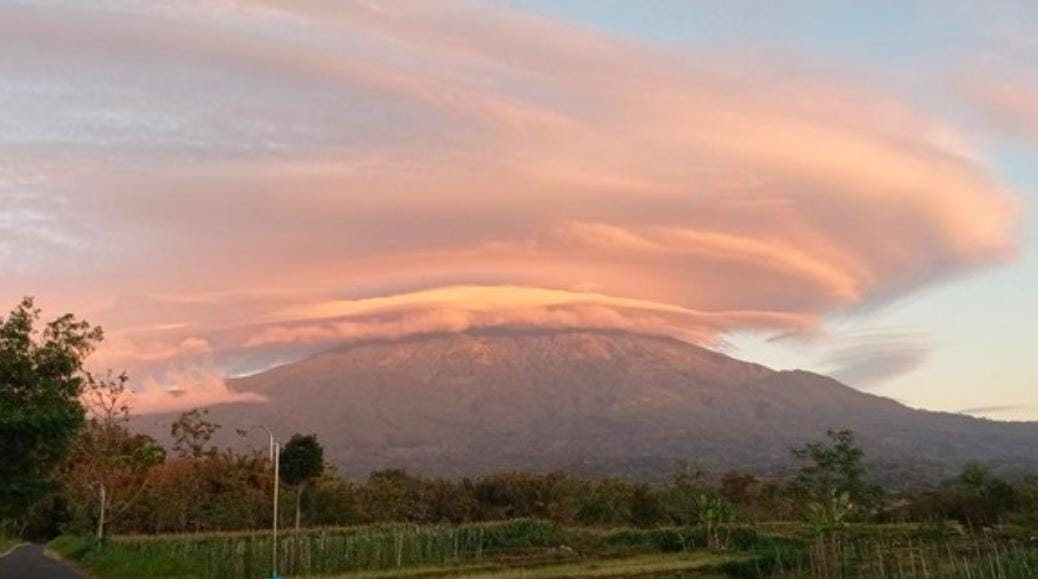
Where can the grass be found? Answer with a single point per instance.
(7, 544)
(653, 564)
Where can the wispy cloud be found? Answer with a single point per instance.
(994, 410)
(868, 359)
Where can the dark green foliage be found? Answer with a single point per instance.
(527, 495)
(978, 497)
(396, 495)
(836, 465)
(302, 459)
(668, 540)
(646, 509)
(835, 477)
(47, 518)
(606, 502)
(334, 501)
(41, 377)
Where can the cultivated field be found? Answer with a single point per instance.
(530, 548)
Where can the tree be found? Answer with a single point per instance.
(646, 510)
(680, 499)
(979, 497)
(191, 434)
(107, 458)
(740, 488)
(41, 378)
(302, 460)
(835, 485)
(835, 478)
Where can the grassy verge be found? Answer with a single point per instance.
(7, 544)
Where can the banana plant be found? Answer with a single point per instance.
(714, 514)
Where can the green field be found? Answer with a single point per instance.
(531, 548)
(515, 548)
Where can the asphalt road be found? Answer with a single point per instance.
(29, 562)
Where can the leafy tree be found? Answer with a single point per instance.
(835, 468)
(41, 378)
(392, 495)
(510, 495)
(302, 460)
(449, 501)
(646, 510)
(605, 502)
(219, 491)
(335, 501)
(979, 497)
(680, 498)
(740, 488)
(191, 434)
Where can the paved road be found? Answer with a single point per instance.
(29, 562)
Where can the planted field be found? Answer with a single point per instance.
(532, 548)
(323, 551)
(479, 548)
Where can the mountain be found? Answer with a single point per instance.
(595, 402)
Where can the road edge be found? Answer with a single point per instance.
(12, 549)
(52, 554)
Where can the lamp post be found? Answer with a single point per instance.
(275, 459)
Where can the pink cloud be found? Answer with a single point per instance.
(461, 308)
(1009, 103)
(119, 351)
(184, 390)
(360, 169)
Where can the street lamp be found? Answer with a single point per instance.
(275, 459)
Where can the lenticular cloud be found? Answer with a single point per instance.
(535, 172)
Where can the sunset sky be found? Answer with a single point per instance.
(228, 185)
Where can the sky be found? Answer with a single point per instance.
(230, 185)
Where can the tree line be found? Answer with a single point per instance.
(72, 465)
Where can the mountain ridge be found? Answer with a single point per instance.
(600, 402)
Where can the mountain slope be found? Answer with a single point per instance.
(590, 401)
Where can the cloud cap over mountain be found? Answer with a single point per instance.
(354, 150)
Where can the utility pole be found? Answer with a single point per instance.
(275, 459)
(276, 450)
(101, 516)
